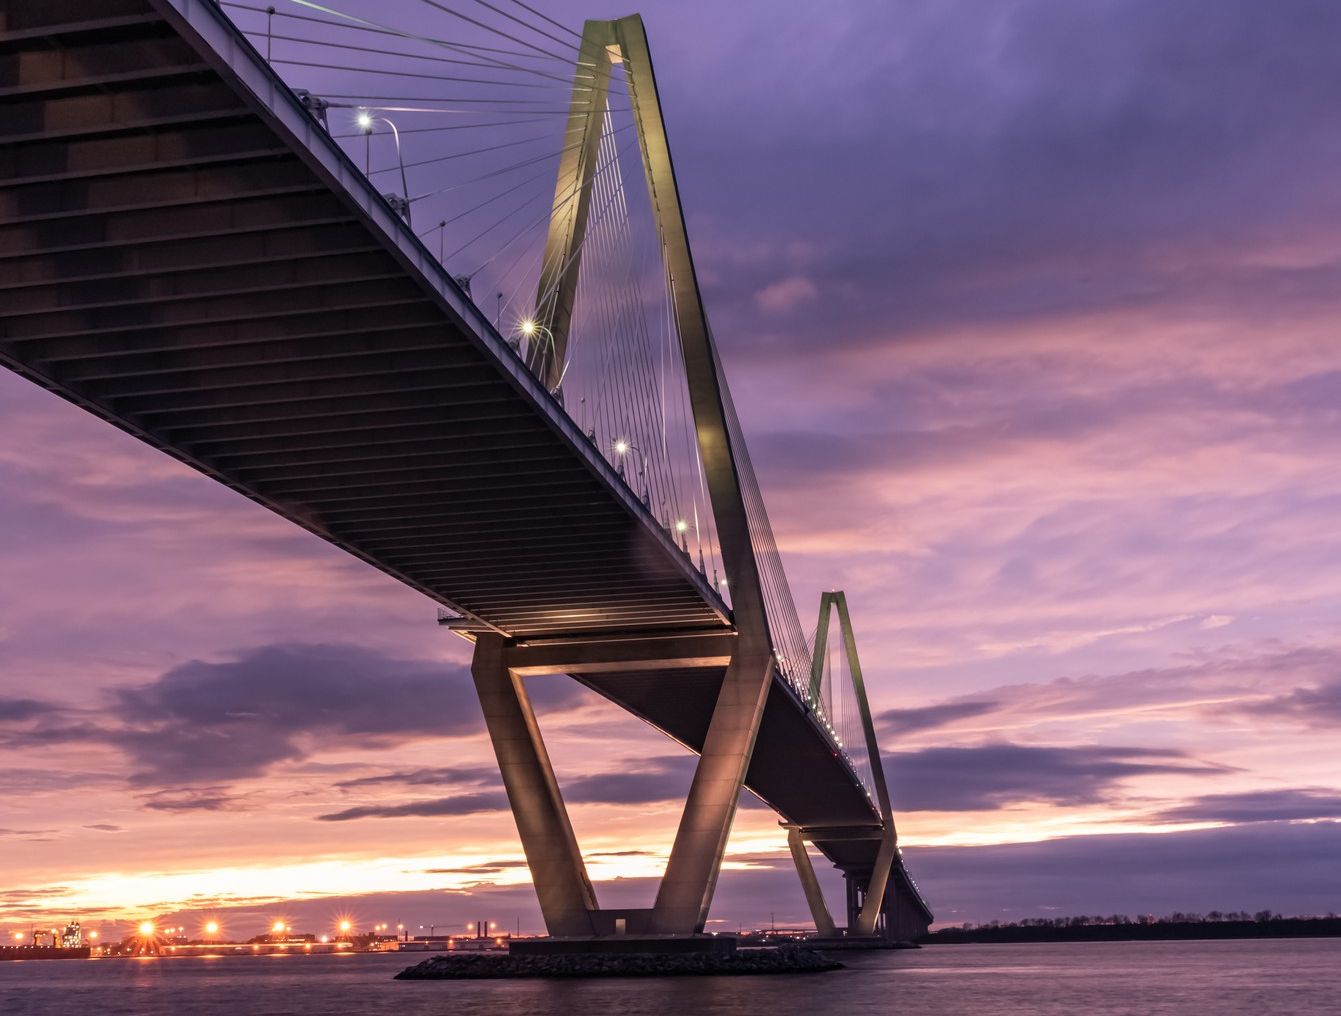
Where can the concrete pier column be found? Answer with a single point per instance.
(700, 842)
(560, 876)
(874, 895)
(819, 910)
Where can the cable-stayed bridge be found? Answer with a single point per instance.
(423, 287)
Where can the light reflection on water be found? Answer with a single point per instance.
(1299, 978)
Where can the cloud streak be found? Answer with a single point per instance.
(991, 776)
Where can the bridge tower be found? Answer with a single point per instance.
(566, 895)
(567, 898)
(880, 898)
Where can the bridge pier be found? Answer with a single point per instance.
(567, 899)
(901, 914)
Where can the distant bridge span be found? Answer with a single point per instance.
(187, 254)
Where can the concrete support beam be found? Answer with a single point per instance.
(708, 649)
(875, 888)
(560, 876)
(819, 910)
(700, 842)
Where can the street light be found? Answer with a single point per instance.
(532, 331)
(364, 119)
(682, 530)
(367, 123)
(622, 447)
(211, 927)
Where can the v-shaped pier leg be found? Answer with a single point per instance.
(567, 899)
(819, 910)
(700, 842)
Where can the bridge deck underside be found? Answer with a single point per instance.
(794, 769)
(173, 262)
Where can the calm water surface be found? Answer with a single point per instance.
(1211, 978)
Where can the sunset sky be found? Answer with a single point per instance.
(1029, 309)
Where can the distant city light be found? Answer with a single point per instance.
(345, 926)
(278, 929)
(211, 927)
(93, 935)
(146, 928)
(18, 936)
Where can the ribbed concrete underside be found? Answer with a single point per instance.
(174, 259)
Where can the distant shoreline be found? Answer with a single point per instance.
(1162, 931)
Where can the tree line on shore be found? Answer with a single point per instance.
(1177, 917)
(1096, 927)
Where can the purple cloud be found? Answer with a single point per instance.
(991, 776)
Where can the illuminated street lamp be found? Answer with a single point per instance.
(532, 331)
(146, 928)
(682, 531)
(364, 119)
(211, 927)
(367, 123)
(622, 447)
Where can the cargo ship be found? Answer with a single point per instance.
(67, 945)
(44, 952)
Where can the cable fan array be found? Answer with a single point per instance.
(834, 698)
(459, 114)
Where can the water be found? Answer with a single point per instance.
(1282, 978)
